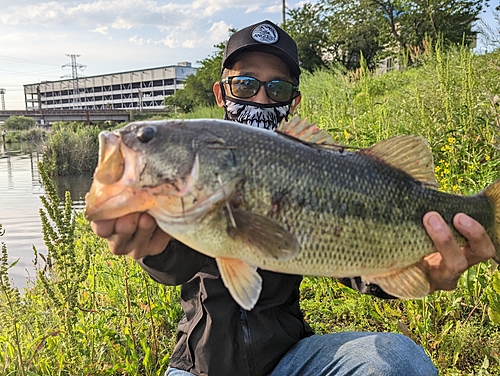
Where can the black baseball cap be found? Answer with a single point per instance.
(266, 37)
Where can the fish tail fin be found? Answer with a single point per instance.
(493, 194)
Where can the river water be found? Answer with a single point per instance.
(20, 191)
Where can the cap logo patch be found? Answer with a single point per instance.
(265, 33)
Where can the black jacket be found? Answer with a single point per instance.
(216, 336)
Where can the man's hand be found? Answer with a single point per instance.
(451, 260)
(135, 235)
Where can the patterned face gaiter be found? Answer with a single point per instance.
(258, 115)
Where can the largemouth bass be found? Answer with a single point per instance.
(288, 201)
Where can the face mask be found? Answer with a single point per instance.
(266, 116)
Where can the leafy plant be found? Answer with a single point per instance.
(11, 305)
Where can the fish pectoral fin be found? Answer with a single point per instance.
(242, 281)
(264, 235)
(411, 282)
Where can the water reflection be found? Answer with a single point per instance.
(77, 185)
(20, 191)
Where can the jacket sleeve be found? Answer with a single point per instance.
(175, 265)
(365, 288)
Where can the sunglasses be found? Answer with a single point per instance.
(246, 87)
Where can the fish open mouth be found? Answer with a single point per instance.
(114, 191)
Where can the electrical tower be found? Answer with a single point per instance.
(74, 75)
(2, 98)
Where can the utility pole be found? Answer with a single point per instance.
(39, 96)
(284, 12)
(139, 94)
(2, 97)
(74, 74)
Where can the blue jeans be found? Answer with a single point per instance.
(351, 354)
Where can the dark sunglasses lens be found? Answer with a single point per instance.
(279, 91)
(244, 87)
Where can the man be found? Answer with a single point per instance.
(216, 337)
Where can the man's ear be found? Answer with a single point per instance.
(218, 94)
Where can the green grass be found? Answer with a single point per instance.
(94, 313)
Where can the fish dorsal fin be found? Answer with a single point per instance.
(307, 133)
(410, 154)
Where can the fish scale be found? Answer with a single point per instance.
(253, 198)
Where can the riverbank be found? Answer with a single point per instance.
(95, 313)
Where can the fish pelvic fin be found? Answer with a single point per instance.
(263, 235)
(242, 281)
(493, 194)
(410, 154)
(411, 282)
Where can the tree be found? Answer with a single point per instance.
(308, 26)
(336, 32)
(341, 30)
(19, 123)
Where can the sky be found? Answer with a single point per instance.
(109, 36)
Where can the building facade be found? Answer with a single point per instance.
(135, 90)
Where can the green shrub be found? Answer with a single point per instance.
(19, 123)
(71, 148)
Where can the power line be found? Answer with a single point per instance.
(15, 59)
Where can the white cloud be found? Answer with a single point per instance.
(274, 9)
(19, 37)
(139, 41)
(136, 40)
(253, 8)
(211, 7)
(121, 23)
(218, 32)
(170, 41)
(101, 30)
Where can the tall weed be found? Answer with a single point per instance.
(72, 148)
(91, 313)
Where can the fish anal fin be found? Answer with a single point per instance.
(242, 281)
(411, 282)
(410, 154)
(263, 235)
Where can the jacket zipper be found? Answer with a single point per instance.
(247, 337)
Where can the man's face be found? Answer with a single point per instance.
(260, 65)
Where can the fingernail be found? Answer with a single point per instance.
(464, 221)
(435, 222)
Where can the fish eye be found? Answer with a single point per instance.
(146, 134)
